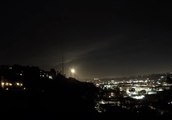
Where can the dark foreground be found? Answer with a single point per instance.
(63, 104)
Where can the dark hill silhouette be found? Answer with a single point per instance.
(45, 97)
(69, 95)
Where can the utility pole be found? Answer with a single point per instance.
(63, 66)
(62, 47)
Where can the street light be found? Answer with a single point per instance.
(73, 72)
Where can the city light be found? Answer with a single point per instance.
(102, 102)
(10, 84)
(6, 84)
(17, 83)
(10, 68)
(50, 77)
(21, 84)
(2, 84)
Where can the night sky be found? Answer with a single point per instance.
(98, 39)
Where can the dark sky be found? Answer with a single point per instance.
(99, 39)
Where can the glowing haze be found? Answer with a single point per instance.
(98, 39)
